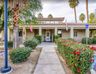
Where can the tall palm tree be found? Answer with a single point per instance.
(73, 4)
(87, 12)
(82, 17)
(17, 7)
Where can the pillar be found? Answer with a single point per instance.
(87, 33)
(24, 33)
(40, 31)
(55, 30)
(72, 33)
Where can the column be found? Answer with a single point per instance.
(40, 31)
(87, 33)
(24, 33)
(72, 33)
(55, 30)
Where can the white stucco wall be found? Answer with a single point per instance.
(80, 35)
(29, 34)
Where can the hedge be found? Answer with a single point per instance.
(32, 43)
(19, 55)
(39, 38)
(89, 40)
(55, 37)
(78, 56)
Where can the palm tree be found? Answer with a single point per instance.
(73, 4)
(87, 12)
(17, 7)
(92, 18)
(82, 17)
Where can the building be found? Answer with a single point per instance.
(50, 26)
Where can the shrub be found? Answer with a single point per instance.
(94, 40)
(89, 40)
(10, 44)
(32, 43)
(19, 55)
(78, 56)
(39, 38)
(56, 37)
(71, 39)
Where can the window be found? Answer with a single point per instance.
(75, 34)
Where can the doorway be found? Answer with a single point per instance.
(47, 36)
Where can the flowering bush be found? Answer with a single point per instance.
(78, 56)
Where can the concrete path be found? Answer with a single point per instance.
(48, 62)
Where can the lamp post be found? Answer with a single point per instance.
(87, 27)
(6, 68)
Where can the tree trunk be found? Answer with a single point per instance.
(75, 14)
(87, 11)
(82, 21)
(15, 37)
(15, 26)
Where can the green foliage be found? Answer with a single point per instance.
(92, 18)
(77, 56)
(39, 38)
(56, 37)
(82, 17)
(28, 16)
(94, 40)
(19, 55)
(89, 40)
(1, 17)
(71, 39)
(73, 3)
(10, 44)
(32, 43)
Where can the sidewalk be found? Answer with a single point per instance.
(48, 62)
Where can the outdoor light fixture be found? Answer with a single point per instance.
(6, 68)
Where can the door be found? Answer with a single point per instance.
(47, 36)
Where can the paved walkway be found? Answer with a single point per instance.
(48, 62)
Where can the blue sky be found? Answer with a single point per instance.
(60, 8)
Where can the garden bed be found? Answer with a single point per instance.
(65, 66)
(26, 67)
(76, 57)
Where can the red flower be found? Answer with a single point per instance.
(76, 52)
(78, 69)
(93, 48)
